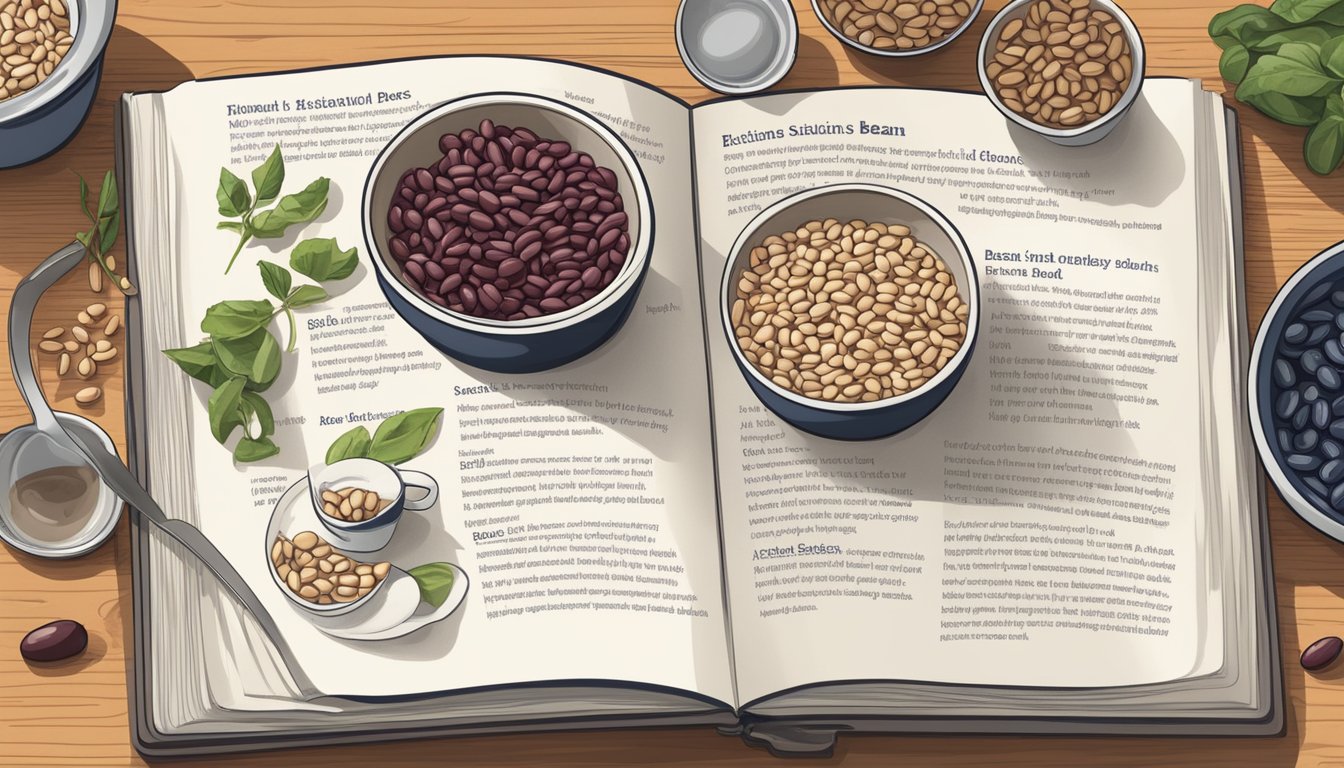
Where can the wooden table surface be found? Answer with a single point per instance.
(76, 714)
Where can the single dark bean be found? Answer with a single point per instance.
(54, 641)
(1321, 653)
(1295, 333)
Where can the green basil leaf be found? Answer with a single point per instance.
(1244, 24)
(435, 580)
(404, 436)
(232, 226)
(1292, 110)
(1332, 56)
(1286, 76)
(1298, 11)
(107, 196)
(1315, 34)
(255, 356)
(276, 279)
(1306, 54)
(262, 410)
(1324, 145)
(305, 295)
(84, 198)
(200, 363)
(1234, 62)
(224, 409)
(351, 445)
(230, 319)
(248, 449)
(108, 232)
(299, 208)
(322, 259)
(267, 178)
(234, 199)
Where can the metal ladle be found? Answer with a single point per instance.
(83, 449)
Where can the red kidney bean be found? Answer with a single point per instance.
(508, 225)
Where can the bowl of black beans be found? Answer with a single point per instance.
(512, 231)
(1296, 392)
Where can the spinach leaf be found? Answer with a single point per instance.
(1244, 24)
(268, 177)
(1324, 145)
(257, 406)
(298, 208)
(435, 580)
(1234, 62)
(404, 436)
(255, 356)
(1316, 34)
(1287, 76)
(234, 199)
(229, 319)
(224, 408)
(351, 445)
(276, 279)
(1289, 109)
(322, 259)
(248, 449)
(1298, 11)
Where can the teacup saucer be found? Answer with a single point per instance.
(393, 610)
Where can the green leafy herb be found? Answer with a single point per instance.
(249, 449)
(254, 219)
(398, 439)
(435, 580)
(255, 356)
(224, 408)
(404, 436)
(102, 236)
(1287, 61)
(276, 279)
(200, 363)
(351, 445)
(323, 260)
(230, 319)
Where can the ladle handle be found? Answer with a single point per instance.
(110, 469)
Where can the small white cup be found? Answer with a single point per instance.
(388, 482)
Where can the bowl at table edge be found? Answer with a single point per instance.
(872, 203)
(898, 53)
(40, 121)
(1327, 266)
(1080, 135)
(511, 346)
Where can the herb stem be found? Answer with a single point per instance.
(293, 329)
(242, 241)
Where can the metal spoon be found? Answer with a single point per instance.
(109, 468)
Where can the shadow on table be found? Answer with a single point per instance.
(1285, 141)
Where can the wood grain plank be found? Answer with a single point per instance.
(76, 714)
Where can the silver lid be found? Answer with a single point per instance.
(737, 46)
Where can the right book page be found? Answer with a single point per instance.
(1041, 527)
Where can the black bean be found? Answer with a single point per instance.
(1295, 333)
(1318, 333)
(1303, 462)
(1321, 653)
(1320, 414)
(1305, 441)
(1320, 488)
(1337, 429)
(1285, 437)
(1328, 377)
(1337, 498)
(1287, 403)
(1302, 416)
(1311, 360)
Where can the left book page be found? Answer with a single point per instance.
(579, 502)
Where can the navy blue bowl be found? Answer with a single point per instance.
(38, 122)
(873, 203)
(513, 346)
(1325, 269)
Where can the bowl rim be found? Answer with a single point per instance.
(779, 70)
(85, 53)
(1137, 51)
(896, 53)
(638, 256)
(1255, 398)
(750, 233)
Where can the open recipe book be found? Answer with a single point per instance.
(1074, 542)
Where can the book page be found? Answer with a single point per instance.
(1040, 527)
(578, 502)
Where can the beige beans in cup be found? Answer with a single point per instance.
(353, 505)
(900, 25)
(319, 574)
(1063, 65)
(34, 37)
(848, 311)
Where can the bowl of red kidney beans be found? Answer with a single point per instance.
(1296, 392)
(512, 231)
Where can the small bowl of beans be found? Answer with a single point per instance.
(322, 579)
(51, 58)
(896, 28)
(851, 309)
(1296, 392)
(1068, 70)
(512, 231)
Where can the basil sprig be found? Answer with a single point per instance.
(1287, 61)
(248, 206)
(398, 439)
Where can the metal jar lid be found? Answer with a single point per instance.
(737, 46)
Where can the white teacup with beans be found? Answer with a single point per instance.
(360, 501)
